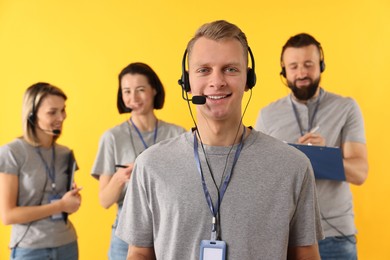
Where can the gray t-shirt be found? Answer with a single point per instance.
(122, 144)
(21, 159)
(270, 203)
(340, 121)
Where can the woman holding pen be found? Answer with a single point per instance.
(140, 91)
(35, 179)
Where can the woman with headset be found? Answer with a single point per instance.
(36, 180)
(140, 92)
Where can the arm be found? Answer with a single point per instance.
(13, 214)
(110, 187)
(140, 253)
(303, 253)
(354, 157)
(355, 162)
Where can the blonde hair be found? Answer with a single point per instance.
(31, 102)
(219, 30)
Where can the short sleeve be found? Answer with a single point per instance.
(353, 130)
(135, 222)
(305, 225)
(105, 158)
(9, 162)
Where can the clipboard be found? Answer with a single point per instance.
(327, 162)
(72, 167)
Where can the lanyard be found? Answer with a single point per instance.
(215, 209)
(311, 119)
(50, 171)
(140, 135)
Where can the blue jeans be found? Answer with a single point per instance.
(66, 252)
(338, 248)
(118, 248)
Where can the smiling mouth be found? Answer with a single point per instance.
(218, 97)
(135, 106)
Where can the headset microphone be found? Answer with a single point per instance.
(31, 121)
(198, 100)
(56, 131)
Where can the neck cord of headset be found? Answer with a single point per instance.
(216, 219)
(200, 138)
(338, 230)
(238, 129)
(216, 228)
(29, 224)
(214, 209)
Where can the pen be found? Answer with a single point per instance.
(313, 130)
(120, 166)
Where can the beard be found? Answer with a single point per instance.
(304, 93)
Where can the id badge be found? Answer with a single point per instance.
(212, 250)
(52, 199)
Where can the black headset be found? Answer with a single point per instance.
(32, 116)
(184, 80)
(322, 62)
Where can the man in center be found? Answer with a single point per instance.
(221, 182)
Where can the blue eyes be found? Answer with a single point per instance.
(203, 70)
(231, 70)
(226, 70)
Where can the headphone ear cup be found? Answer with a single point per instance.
(322, 66)
(185, 82)
(250, 78)
(283, 72)
(31, 118)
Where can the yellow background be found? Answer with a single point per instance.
(81, 46)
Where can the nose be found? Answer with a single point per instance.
(62, 116)
(134, 96)
(217, 79)
(302, 72)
